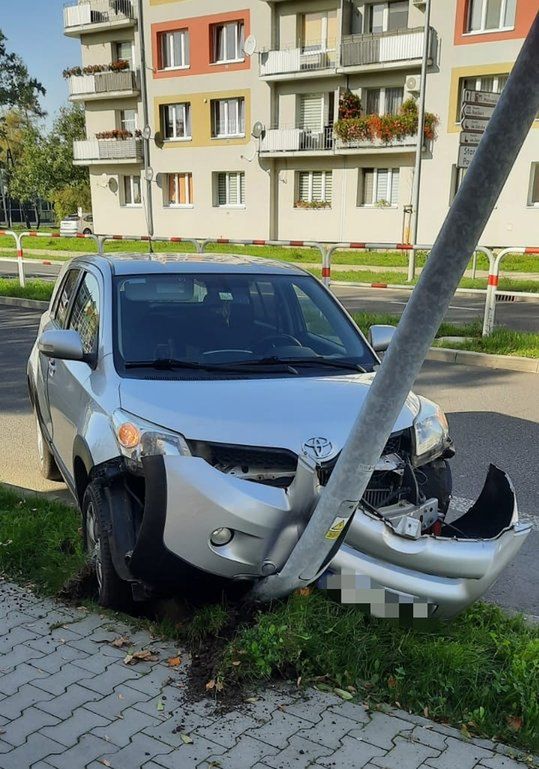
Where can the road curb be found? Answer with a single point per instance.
(484, 360)
(28, 304)
(446, 354)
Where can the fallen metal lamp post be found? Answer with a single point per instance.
(458, 238)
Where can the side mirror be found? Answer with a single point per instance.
(380, 337)
(64, 344)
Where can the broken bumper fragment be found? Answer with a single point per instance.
(236, 529)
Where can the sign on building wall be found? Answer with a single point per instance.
(477, 109)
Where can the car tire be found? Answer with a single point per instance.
(113, 592)
(87, 231)
(47, 463)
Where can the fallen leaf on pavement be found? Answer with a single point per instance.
(210, 685)
(173, 662)
(144, 655)
(104, 761)
(120, 642)
(186, 739)
(160, 705)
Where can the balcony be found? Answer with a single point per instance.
(89, 16)
(306, 60)
(91, 152)
(103, 85)
(306, 141)
(390, 50)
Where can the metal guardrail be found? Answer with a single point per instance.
(326, 250)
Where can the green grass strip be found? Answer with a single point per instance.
(34, 289)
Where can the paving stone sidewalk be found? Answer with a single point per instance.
(68, 701)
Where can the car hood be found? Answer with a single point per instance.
(278, 413)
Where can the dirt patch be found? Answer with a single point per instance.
(80, 587)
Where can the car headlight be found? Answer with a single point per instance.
(431, 434)
(137, 438)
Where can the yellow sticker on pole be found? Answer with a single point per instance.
(336, 529)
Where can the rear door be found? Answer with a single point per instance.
(66, 379)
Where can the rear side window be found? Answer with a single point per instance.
(64, 297)
(85, 314)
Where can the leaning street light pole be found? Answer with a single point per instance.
(416, 185)
(457, 240)
(146, 133)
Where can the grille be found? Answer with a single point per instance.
(244, 456)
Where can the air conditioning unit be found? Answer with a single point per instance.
(412, 84)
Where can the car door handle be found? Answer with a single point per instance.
(52, 366)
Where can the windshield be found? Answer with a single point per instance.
(203, 324)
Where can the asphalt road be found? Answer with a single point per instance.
(494, 417)
(522, 316)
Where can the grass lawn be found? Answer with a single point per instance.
(503, 341)
(480, 672)
(34, 289)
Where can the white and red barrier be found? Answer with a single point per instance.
(494, 280)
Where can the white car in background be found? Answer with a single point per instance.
(76, 224)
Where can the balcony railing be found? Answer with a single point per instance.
(102, 84)
(107, 150)
(400, 45)
(287, 139)
(89, 13)
(297, 140)
(307, 58)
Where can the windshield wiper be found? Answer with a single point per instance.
(170, 364)
(318, 361)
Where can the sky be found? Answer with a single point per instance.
(34, 29)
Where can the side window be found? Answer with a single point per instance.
(64, 297)
(85, 314)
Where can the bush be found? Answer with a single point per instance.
(67, 200)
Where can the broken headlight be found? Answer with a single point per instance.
(431, 433)
(137, 438)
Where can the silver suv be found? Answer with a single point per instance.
(196, 406)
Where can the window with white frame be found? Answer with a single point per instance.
(176, 121)
(131, 191)
(318, 30)
(314, 187)
(123, 51)
(490, 83)
(386, 17)
(229, 189)
(489, 15)
(228, 117)
(174, 49)
(127, 120)
(533, 196)
(384, 101)
(178, 190)
(227, 42)
(379, 187)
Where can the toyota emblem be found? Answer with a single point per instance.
(317, 448)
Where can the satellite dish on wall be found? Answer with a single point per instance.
(249, 46)
(113, 184)
(258, 130)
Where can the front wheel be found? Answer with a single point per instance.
(47, 463)
(113, 592)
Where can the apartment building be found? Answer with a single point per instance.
(291, 119)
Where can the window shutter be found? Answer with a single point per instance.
(368, 186)
(233, 189)
(311, 112)
(381, 184)
(172, 197)
(221, 190)
(329, 187)
(317, 185)
(242, 189)
(190, 188)
(395, 187)
(303, 186)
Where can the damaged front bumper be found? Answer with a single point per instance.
(187, 501)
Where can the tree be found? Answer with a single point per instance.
(17, 88)
(45, 167)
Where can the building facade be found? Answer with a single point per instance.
(291, 119)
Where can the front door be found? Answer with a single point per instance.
(67, 379)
